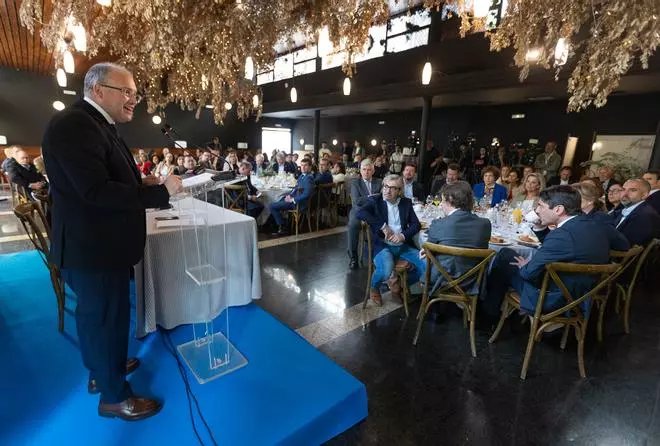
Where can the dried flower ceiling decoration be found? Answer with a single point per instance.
(604, 37)
(194, 52)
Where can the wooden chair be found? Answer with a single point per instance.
(625, 291)
(325, 202)
(44, 200)
(400, 269)
(454, 289)
(18, 194)
(236, 197)
(569, 315)
(298, 215)
(31, 216)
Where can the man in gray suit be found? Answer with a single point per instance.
(460, 228)
(361, 190)
(548, 163)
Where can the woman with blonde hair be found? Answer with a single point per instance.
(166, 167)
(533, 184)
(593, 205)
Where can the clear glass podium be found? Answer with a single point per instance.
(210, 354)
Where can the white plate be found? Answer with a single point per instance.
(504, 243)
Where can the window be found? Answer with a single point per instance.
(275, 139)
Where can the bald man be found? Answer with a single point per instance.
(638, 221)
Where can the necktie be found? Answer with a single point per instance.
(368, 183)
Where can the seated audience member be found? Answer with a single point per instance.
(564, 178)
(180, 160)
(323, 176)
(493, 192)
(606, 178)
(576, 239)
(453, 172)
(299, 196)
(503, 180)
(526, 171)
(144, 165)
(231, 164)
(254, 207)
(652, 177)
(188, 167)
(205, 160)
(638, 221)
(393, 224)
(533, 186)
(346, 160)
(357, 162)
(593, 207)
(23, 173)
(10, 152)
(411, 188)
(155, 161)
(165, 167)
(380, 166)
(361, 189)
(516, 188)
(338, 172)
(460, 228)
(614, 196)
(280, 166)
(260, 165)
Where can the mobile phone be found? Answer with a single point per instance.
(166, 218)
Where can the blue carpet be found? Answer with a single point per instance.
(289, 393)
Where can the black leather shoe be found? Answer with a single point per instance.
(280, 231)
(131, 365)
(353, 263)
(131, 409)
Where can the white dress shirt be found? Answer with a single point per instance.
(559, 225)
(100, 110)
(408, 189)
(393, 219)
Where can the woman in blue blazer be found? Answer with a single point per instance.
(490, 187)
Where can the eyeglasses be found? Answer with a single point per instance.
(386, 187)
(127, 92)
(615, 191)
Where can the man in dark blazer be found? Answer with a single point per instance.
(299, 195)
(460, 228)
(323, 176)
(453, 173)
(605, 175)
(563, 179)
(652, 177)
(281, 166)
(638, 221)
(99, 229)
(254, 207)
(393, 224)
(576, 239)
(23, 173)
(361, 190)
(411, 188)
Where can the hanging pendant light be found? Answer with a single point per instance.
(561, 52)
(104, 2)
(294, 94)
(426, 73)
(68, 62)
(58, 105)
(347, 87)
(324, 45)
(480, 8)
(61, 77)
(228, 106)
(156, 119)
(79, 37)
(255, 101)
(249, 68)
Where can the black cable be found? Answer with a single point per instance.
(165, 335)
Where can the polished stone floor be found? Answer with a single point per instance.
(436, 393)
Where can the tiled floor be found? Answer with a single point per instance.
(436, 393)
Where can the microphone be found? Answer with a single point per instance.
(168, 130)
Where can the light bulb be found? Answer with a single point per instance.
(426, 73)
(294, 94)
(561, 51)
(249, 68)
(374, 142)
(205, 82)
(61, 77)
(69, 64)
(3, 140)
(334, 142)
(302, 142)
(347, 87)
(324, 45)
(58, 105)
(255, 101)
(79, 37)
(228, 105)
(480, 7)
(533, 55)
(208, 106)
(104, 2)
(156, 119)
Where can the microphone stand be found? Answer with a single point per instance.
(167, 129)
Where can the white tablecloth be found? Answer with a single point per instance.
(269, 196)
(166, 296)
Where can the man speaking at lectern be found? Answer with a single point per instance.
(99, 228)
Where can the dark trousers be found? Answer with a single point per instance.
(501, 277)
(254, 209)
(102, 321)
(354, 226)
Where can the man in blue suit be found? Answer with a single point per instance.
(577, 239)
(299, 196)
(638, 221)
(393, 224)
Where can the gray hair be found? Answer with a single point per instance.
(245, 164)
(99, 73)
(366, 163)
(393, 177)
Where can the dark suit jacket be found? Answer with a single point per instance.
(461, 229)
(288, 168)
(641, 226)
(303, 189)
(24, 176)
(98, 219)
(654, 201)
(359, 192)
(499, 193)
(556, 181)
(579, 240)
(323, 178)
(418, 191)
(374, 212)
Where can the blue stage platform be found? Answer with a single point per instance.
(289, 393)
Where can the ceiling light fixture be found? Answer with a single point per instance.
(294, 95)
(347, 86)
(3, 140)
(533, 55)
(480, 8)
(302, 141)
(249, 68)
(156, 119)
(58, 105)
(228, 106)
(334, 142)
(68, 62)
(561, 52)
(79, 37)
(61, 77)
(426, 73)
(104, 2)
(255, 101)
(374, 142)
